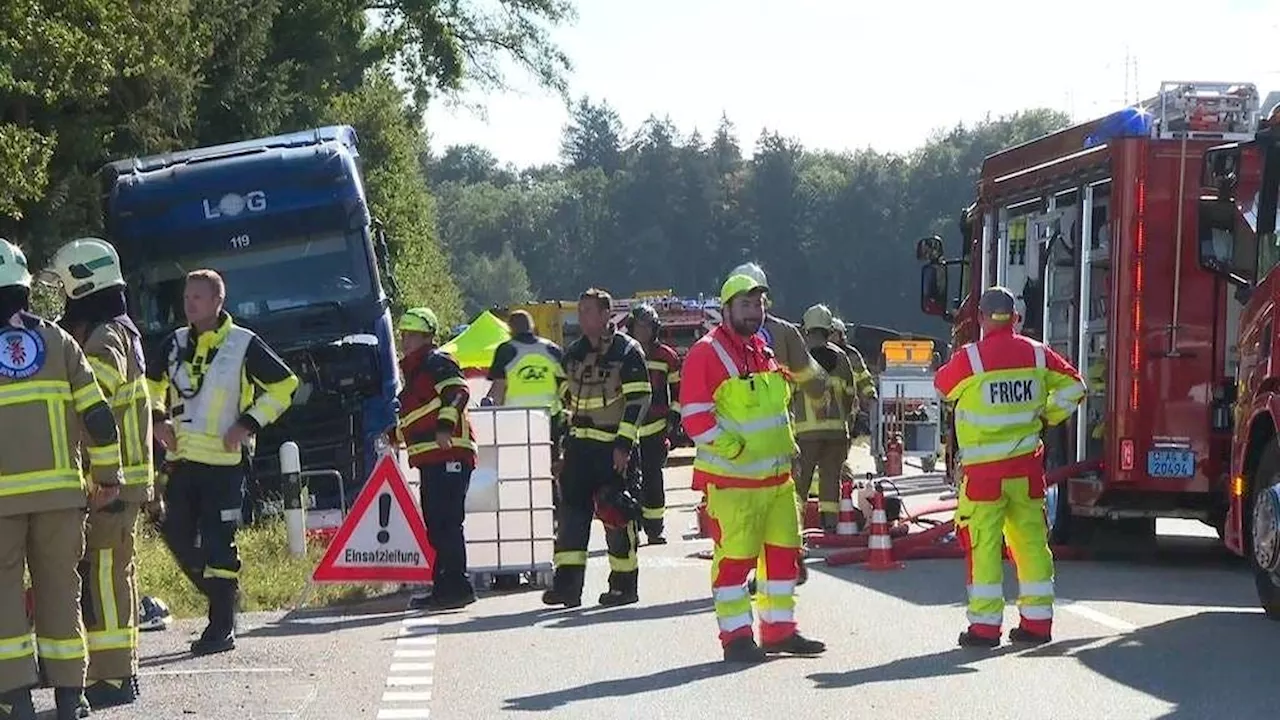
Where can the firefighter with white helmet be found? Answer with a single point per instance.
(864, 383)
(95, 313)
(822, 422)
(46, 388)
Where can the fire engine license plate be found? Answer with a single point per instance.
(1171, 463)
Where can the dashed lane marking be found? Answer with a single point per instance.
(413, 660)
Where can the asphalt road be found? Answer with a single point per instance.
(1171, 636)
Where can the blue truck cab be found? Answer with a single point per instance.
(285, 221)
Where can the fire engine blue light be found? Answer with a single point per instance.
(1129, 122)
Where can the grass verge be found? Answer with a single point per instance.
(270, 578)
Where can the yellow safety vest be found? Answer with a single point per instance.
(533, 376)
(755, 411)
(205, 411)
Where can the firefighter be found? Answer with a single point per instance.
(663, 417)
(608, 397)
(96, 315)
(734, 400)
(864, 383)
(822, 423)
(213, 385)
(436, 428)
(46, 387)
(789, 347)
(1006, 388)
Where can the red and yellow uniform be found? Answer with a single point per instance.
(1006, 388)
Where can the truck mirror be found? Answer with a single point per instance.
(1217, 246)
(933, 290)
(1221, 170)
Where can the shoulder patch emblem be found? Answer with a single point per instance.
(22, 353)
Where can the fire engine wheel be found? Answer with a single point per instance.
(927, 464)
(1264, 531)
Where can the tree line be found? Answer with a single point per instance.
(84, 82)
(651, 209)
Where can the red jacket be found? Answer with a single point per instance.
(664, 378)
(435, 397)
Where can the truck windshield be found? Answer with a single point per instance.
(306, 271)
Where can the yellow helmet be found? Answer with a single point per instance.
(737, 285)
(818, 317)
(753, 271)
(84, 266)
(419, 319)
(13, 266)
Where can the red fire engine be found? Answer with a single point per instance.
(1097, 229)
(1243, 251)
(684, 320)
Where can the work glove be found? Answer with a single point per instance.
(729, 444)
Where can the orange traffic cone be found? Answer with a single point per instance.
(880, 543)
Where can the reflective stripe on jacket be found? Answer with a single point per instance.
(608, 391)
(733, 404)
(434, 398)
(1006, 387)
(47, 392)
(664, 380)
(114, 351)
(826, 415)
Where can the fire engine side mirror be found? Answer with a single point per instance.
(933, 290)
(1218, 246)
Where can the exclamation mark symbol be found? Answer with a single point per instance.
(384, 518)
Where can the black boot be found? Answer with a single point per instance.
(797, 644)
(969, 639)
(566, 589)
(17, 705)
(743, 650)
(653, 532)
(220, 635)
(110, 693)
(623, 589)
(70, 703)
(1026, 637)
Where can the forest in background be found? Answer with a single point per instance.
(651, 209)
(83, 82)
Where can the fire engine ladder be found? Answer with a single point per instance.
(1184, 111)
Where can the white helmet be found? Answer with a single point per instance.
(753, 271)
(837, 325)
(818, 317)
(13, 266)
(84, 266)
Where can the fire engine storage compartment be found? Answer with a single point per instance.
(509, 524)
(907, 404)
(1130, 187)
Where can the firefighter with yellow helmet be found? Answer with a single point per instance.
(822, 422)
(46, 388)
(96, 315)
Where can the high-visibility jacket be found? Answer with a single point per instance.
(435, 398)
(733, 403)
(609, 389)
(664, 382)
(864, 383)
(47, 390)
(223, 376)
(1006, 387)
(826, 415)
(533, 370)
(114, 351)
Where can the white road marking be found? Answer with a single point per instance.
(407, 681)
(217, 671)
(1097, 616)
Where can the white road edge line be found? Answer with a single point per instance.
(403, 714)
(217, 671)
(1109, 621)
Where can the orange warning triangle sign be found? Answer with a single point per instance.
(383, 538)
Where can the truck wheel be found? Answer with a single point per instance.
(1265, 531)
(927, 464)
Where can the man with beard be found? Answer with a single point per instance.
(734, 400)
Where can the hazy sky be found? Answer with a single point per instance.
(846, 74)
